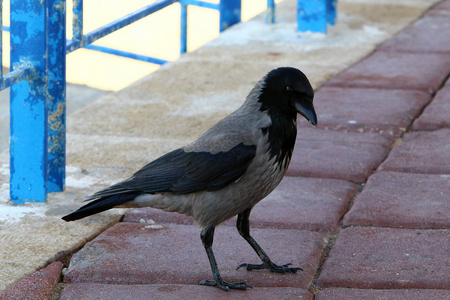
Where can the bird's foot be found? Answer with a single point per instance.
(271, 267)
(226, 286)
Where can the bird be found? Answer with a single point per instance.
(226, 171)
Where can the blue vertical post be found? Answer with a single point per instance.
(183, 28)
(270, 12)
(56, 101)
(331, 12)
(312, 15)
(230, 13)
(37, 104)
(77, 23)
(1, 38)
(28, 103)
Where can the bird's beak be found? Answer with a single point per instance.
(306, 109)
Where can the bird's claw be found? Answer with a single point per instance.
(226, 286)
(271, 267)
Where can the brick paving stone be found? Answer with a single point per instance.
(437, 114)
(428, 34)
(305, 203)
(356, 294)
(94, 291)
(37, 286)
(388, 258)
(402, 200)
(133, 253)
(339, 155)
(393, 70)
(441, 9)
(148, 215)
(297, 203)
(421, 152)
(385, 111)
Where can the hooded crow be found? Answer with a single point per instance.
(226, 171)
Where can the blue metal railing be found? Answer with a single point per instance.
(38, 84)
(37, 81)
(230, 14)
(314, 15)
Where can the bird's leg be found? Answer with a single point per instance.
(243, 228)
(207, 236)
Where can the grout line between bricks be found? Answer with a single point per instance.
(331, 240)
(398, 227)
(66, 256)
(433, 95)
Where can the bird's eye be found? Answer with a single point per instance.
(288, 88)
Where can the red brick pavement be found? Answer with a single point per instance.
(407, 200)
(424, 71)
(93, 291)
(133, 253)
(355, 294)
(436, 115)
(384, 111)
(336, 154)
(421, 152)
(37, 286)
(388, 258)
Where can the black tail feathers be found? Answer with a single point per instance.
(100, 205)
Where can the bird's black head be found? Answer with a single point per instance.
(287, 91)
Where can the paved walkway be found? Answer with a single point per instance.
(364, 211)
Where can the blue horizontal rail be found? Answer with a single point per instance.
(127, 54)
(201, 4)
(230, 13)
(38, 83)
(94, 35)
(16, 76)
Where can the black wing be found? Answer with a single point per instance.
(178, 172)
(181, 172)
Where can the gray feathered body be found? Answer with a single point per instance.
(244, 125)
(231, 167)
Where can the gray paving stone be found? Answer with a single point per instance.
(395, 70)
(388, 258)
(437, 114)
(384, 111)
(297, 203)
(427, 35)
(93, 291)
(339, 155)
(131, 253)
(37, 286)
(402, 200)
(421, 152)
(355, 294)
